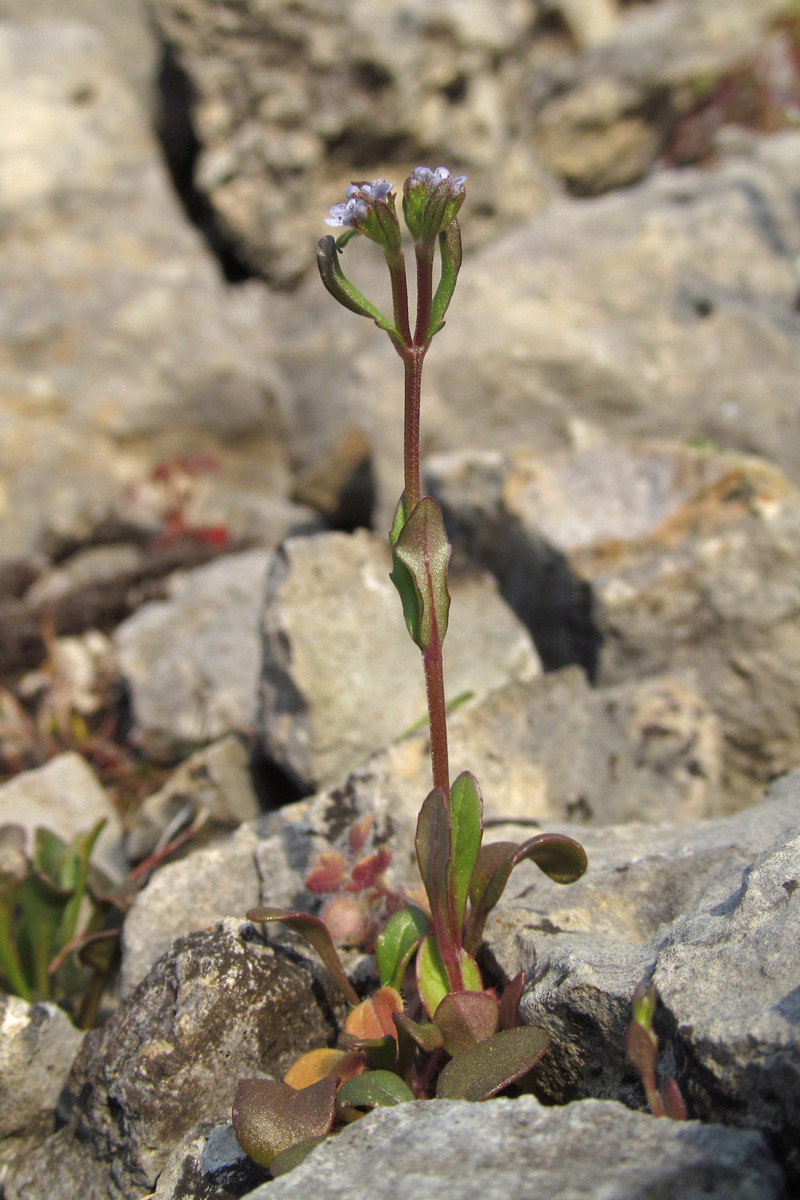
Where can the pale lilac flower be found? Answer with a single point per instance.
(355, 209)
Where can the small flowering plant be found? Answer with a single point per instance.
(432, 1029)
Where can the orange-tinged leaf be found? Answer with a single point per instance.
(372, 1018)
(318, 1064)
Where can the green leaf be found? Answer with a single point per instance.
(290, 1158)
(316, 934)
(559, 856)
(466, 819)
(432, 978)
(433, 981)
(465, 1019)
(402, 578)
(422, 547)
(344, 291)
(450, 254)
(268, 1116)
(76, 876)
(493, 1064)
(427, 1037)
(374, 1088)
(10, 963)
(397, 942)
(381, 1053)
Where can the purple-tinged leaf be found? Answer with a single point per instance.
(559, 856)
(674, 1107)
(427, 1037)
(493, 1064)
(397, 942)
(434, 854)
(316, 934)
(269, 1116)
(374, 1088)
(466, 822)
(465, 1019)
(509, 1002)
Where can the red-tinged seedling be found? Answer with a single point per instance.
(432, 1029)
(641, 1045)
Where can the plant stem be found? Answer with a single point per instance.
(437, 718)
(412, 361)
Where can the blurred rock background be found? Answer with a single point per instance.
(200, 455)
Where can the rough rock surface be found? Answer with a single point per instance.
(331, 613)
(666, 309)
(209, 1164)
(191, 661)
(219, 1007)
(37, 1045)
(646, 557)
(213, 789)
(120, 343)
(65, 795)
(459, 1151)
(680, 905)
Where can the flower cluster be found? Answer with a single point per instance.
(360, 197)
(431, 200)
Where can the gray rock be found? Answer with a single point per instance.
(218, 1008)
(603, 117)
(324, 95)
(709, 912)
(120, 330)
(213, 789)
(331, 616)
(620, 314)
(593, 1150)
(191, 661)
(37, 1045)
(646, 557)
(209, 1164)
(65, 795)
(220, 880)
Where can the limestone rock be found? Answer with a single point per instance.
(65, 795)
(209, 1163)
(219, 1007)
(641, 558)
(212, 789)
(37, 1045)
(217, 881)
(121, 330)
(709, 912)
(458, 1151)
(331, 615)
(191, 661)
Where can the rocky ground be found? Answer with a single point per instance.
(199, 455)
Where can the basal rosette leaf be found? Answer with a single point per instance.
(397, 942)
(560, 857)
(433, 980)
(484, 1070)
(465, 1019)
(372, 1089)
(268, 1116)
(317, 935)
(466, 820)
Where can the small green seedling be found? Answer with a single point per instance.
(59, 920)
(432, 1029)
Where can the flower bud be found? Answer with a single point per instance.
(431, 200)
(370, 209)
